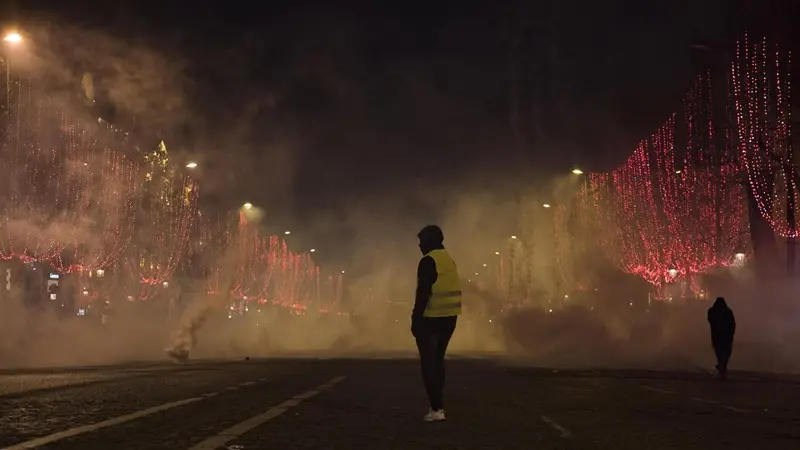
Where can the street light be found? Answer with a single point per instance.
(496, 253)
(312, 250)
(546, 205)
(287, 232)
(673, 273)
(577, 171)
(13, 37)
(513, 237)
(191, 165)
(248, 205)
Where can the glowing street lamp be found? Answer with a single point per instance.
(191, 165)
(312, 250)
(496, 253)
(513, 237)
(13, 37)
(673, 273)
(546, 205)
(739, 257)
(287, 232)
(343, 272)
(577, 171)
(248, 205)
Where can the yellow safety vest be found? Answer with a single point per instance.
(445, 298)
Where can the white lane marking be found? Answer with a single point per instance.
(660, 391)
(38, 442)
(565, 433)
(698, 399)
(247, 383)
(306, 395)
(734, 409)
(215, 442)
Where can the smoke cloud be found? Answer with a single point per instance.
(520, 296)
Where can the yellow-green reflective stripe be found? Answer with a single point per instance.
(446, 294)
(444, 305)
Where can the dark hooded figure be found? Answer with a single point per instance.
(723, 327)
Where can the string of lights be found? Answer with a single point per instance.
(761, 80)
(663, 220)
(266, 272)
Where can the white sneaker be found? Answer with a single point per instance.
(434, 416)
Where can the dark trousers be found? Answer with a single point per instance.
(432, 338)
(723, 352)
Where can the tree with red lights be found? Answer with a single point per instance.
(291, 278)
(251, 258)
(761, 91)
(103, 184)
(167, 215)
(69, 200)
(39, 206)
(659, 219)
(214, 240)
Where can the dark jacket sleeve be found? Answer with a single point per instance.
(426, 276)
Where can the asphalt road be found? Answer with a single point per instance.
(360, 404)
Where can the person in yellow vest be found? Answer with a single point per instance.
(436, 310)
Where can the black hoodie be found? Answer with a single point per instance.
(722, 321)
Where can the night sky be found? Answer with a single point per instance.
(306, 108)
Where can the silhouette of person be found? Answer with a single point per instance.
(723, 328)
(436, 310)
